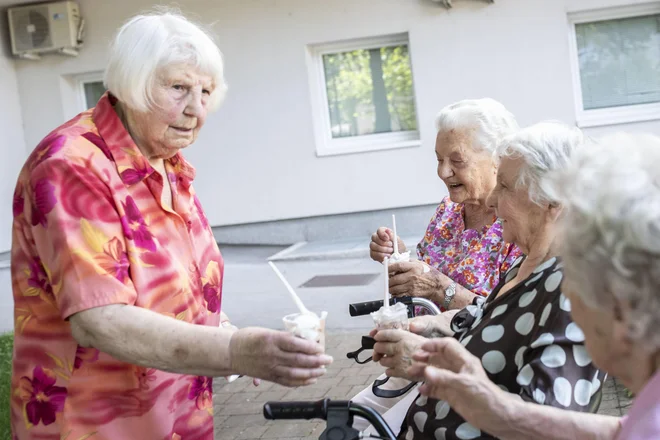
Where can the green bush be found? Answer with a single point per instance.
(6, 346)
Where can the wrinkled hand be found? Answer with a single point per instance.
(394, 350)
(431, 326)
(409, 279)
(382, 244)
(277, 356)
(228, 325)
(454, 375)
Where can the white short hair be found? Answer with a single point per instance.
(490, 120)
(611, 228)
(544, 148)
(148, 42)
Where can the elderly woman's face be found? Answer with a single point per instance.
(468, 172)
(604, 335)
(180, 96)
(520, 217)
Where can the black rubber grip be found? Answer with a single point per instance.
(361, 309)
(296, 410)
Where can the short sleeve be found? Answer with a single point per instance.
(430, 231)
(79, 238)
(556, 370)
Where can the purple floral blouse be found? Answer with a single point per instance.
(474, 259)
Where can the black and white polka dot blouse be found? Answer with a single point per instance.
(528, 345)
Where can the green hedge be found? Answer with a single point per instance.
(6, 346)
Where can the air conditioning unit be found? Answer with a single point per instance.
(40, 28)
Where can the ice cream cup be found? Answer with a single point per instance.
(393, 317)
(400, 258)
(307, 326)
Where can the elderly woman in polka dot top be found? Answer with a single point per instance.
(522, 333)
(611, 249)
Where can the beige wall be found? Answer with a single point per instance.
(256, 157)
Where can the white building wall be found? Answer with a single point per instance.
(12, 142)
(12, 155)
(256, 157)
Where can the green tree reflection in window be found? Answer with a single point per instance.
(370, 91)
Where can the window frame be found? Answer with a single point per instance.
(609, 115)
(80, 81)
(326, 145)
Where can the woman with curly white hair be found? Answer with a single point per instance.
(610, 246)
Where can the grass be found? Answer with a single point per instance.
(6, 346)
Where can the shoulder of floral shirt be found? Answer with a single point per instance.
(447, 205)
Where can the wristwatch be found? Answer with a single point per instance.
(450, 291)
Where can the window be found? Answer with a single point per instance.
(93, 91)
(90, 89)
(616, 58)
(363, 95)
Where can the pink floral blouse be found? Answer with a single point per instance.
(474, 259)
(89, 230)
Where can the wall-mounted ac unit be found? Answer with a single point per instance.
(45, 28)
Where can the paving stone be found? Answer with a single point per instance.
(616, 412)
(247, 420)
(306, 393)
(340, 392)
(273, 395)
(243, 397)
(288, 429)
(355, 380)
(327, 382)
(240, 409)
(219, 398)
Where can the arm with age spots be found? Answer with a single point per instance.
(145, 338)
(412, 279)
(454, 375)
(226, 323)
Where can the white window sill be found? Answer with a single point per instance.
(618, 115)
(363, 144)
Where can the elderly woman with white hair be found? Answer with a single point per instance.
(117, 278)
(462, 253)
(610, 245)
(522, 334)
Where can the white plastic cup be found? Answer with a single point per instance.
(316, 334)
(394, 317)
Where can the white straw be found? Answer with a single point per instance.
(295, 297)
(396, 242)
(386, 263)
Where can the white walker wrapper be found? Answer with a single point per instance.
(307, 326)
(393, 317)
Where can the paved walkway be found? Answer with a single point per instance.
(238, 406)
